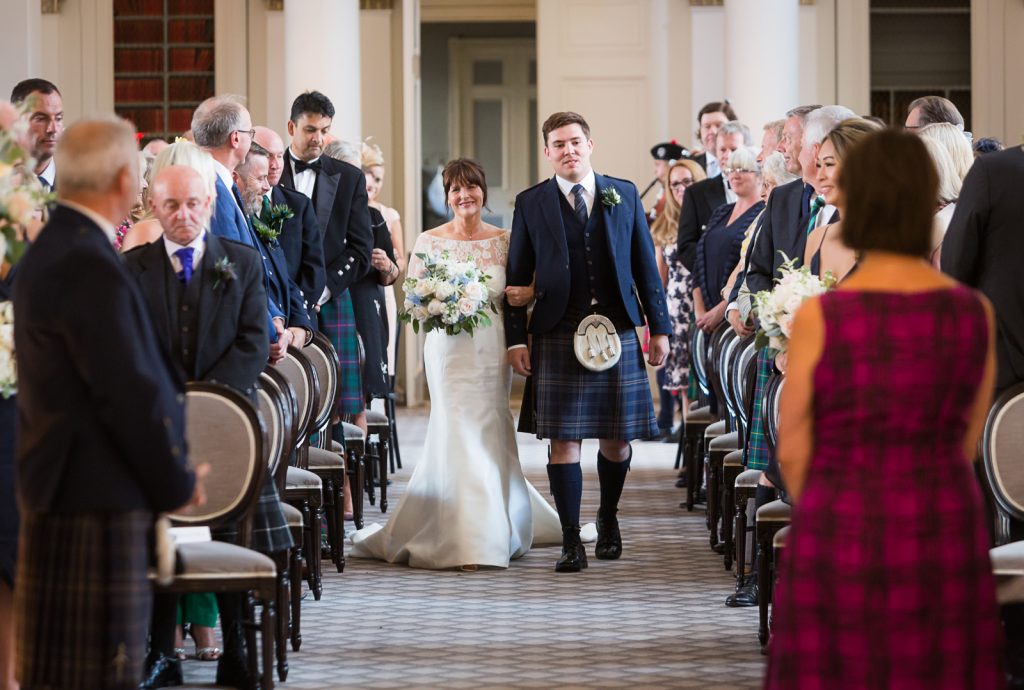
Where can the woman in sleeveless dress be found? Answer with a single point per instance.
(467, 503)
(885, 581)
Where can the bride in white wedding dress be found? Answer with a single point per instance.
(467, 502)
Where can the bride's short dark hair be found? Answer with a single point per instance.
(465, 172)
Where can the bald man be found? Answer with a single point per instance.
(300, 237)
(100, 442)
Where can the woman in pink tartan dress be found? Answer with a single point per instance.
(885, 581)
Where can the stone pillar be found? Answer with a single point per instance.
(321, 52)
(762, 60)
(21, 37)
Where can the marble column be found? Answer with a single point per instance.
(761, 48)
(321, 52)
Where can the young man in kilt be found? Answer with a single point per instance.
(101, 444)
(583, 239)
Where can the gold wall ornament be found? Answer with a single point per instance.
(275, 5)
(50, 6)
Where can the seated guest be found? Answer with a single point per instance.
(205, 294)
(956, 142)
(887, 513)
(300, 235)
(100, 439)
(718, 250)
(826, 253)
(950, 183)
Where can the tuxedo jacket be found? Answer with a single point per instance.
(231, 343)
(538, 251)
(340, 203)
(699, 201)
(983, 247)
(783, 230)
(100, 410)
(303, 246)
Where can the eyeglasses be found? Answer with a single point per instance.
(250, 132)
(730, 171)
(681, 183)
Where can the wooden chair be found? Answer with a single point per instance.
(278, 410)
(1002, 455)
(224, 430)
(698, 419)
(378, 436)
(303, 489)
(355, 455)
(732, 462)
(389, 410)
(725, 439)
(771, 517)
(746, 481)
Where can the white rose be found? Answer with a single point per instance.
(423, 289)
(20, 206)
(419, 313)
(793, 303)
(435, 307)
(475, 292)
(467, 307)
(786, 325)
(444, 290)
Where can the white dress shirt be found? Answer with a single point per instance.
(198, 246)
(49, 174)
(711, 164)
(305, 181)
(589, 190)
(105, 225)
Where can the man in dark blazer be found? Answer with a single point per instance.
(100, 443)
(983, 246)
(251, 179)
(701, 199)
(207, 298)
(590, 255)
(300, 237)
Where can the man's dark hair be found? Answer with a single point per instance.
(562, 119)
(257, 150)
(802, 111)
(723, 107)
(890, 185)
(312, 102)
(936, 109)
(23, 88)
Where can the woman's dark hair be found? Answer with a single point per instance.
(312, 102)
(464, 172)
(890, 186)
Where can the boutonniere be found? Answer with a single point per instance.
(270, 221)
(225, 271)
(610, 197)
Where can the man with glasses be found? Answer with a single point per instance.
(223, 128)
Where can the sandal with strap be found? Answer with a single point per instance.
(179, 653)
(208, 653)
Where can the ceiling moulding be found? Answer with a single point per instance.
(50, 6)
(479, 11)
(719, 3)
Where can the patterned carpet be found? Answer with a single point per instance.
(653, 619)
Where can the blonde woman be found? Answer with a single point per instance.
(674, 376)
(372, 163)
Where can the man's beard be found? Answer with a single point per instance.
(253, 206)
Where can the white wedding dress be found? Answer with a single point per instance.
(467, 502)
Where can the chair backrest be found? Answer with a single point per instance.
(773, 393)
(738, 371)
(283, 398)
(726, 352)
(301, 377)
(1002, 451)
(698, 359)
(749, 385)
(223, 429)
(324, 359)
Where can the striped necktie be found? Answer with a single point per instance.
(579, 204)
(816, 206)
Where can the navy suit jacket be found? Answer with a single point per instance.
(699, 201)
(303, 245)
(538, 248)
(100, 412)
(231, 339)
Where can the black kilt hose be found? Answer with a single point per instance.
(82, 600)
(569, 402)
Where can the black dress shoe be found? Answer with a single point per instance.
(609, 541)
(719, 547)
(574, 556)
(681, 482)
(233, 672)
(746, 595)
(161, 672)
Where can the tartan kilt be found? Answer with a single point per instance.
(83, 600)
(270, 533)
(338, 323)
(758, 451)
(569, 402)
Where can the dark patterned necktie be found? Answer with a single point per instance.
(579, 204)
(185, 256)
(816, 206)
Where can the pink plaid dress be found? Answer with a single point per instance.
(886, 581)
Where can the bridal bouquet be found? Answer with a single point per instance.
(450, 295)
(775, 308)
(8, 373)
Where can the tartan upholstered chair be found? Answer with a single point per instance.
(770, 518)
(277, 410)
(1002, 454)
(697, 420)
(223, 429)
(321, 459)
(304, 489)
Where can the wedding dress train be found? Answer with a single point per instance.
(467, 501)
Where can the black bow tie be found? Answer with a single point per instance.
(303, 165)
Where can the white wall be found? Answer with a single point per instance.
(20, 36)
